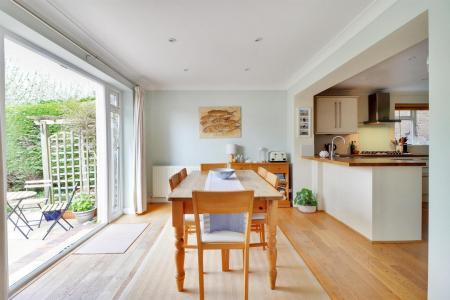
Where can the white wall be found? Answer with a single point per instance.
(439, 226)
(403, 25)
(172, 125)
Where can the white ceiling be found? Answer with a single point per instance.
(215, 39)
(404, 72)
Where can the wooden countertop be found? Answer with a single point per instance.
(371, 162)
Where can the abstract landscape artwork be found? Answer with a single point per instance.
(220, 122)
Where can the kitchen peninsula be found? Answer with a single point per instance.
(381, 198)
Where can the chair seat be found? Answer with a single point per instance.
(189, 217)
(259, 216)
(34, 201)
(223, 237)
(54, 206)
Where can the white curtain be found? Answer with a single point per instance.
(140, 179)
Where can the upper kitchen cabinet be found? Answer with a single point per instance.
(336, 115)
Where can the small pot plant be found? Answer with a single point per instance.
(83, 207)
(306, 201)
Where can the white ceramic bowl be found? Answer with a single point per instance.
(223, 173)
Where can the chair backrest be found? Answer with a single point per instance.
(223, 203)
(207, 167)
(75, 189)
(38, 184)
(272, 179)
(262, 172)
(174, 181)
(183, 174)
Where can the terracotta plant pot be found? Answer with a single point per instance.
(68, 215)
(307, 209)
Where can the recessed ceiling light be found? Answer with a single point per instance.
(247, 69)
(186, 70)
(172, 40)
(259, 39)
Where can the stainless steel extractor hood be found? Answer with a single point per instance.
(379, 109)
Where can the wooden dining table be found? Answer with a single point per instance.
(266, 199)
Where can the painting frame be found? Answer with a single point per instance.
(220, 122)
(304, 122)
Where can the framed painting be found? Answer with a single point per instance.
(220, 121)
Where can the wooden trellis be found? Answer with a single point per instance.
(68, 158)
(72, 160)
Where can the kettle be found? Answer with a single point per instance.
(328, 146)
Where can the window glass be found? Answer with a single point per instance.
(413, 125)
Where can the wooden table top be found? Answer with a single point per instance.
(248, 178)
(15, 196)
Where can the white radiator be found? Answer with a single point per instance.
(161, 175)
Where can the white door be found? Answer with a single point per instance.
(116, 201)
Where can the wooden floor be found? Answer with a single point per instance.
(346, 265)
(349, 266)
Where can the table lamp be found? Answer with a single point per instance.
(231, 150)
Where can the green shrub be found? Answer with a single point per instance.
(83, 202)
(23, 141)
(306, 198)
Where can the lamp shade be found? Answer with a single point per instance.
(231, 149)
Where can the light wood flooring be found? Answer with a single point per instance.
(349, 266)
(346, 265)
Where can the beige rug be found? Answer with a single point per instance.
(114, 239)
(155, 279)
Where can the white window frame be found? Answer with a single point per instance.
(102, 124)
(413, 118)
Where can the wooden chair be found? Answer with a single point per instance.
(174, 181)
(36, 202)
(262, 172)
(207, 167)
(189, 223)
(223, 203)
(259, 220)
(55, 212)
(272, 179)
(183, 174)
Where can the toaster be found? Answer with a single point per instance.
(277, 156)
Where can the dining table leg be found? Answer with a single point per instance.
(178, 224)
(272, 214)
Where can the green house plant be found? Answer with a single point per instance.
(83, 207)
(306, 201)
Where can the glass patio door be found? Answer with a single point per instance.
(116, 201)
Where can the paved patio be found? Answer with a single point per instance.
(25, 255)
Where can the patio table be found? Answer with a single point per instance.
(13, 200)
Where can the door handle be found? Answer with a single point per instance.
(340, 115)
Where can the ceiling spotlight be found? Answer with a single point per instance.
(172, 40)
(247, 69)
(186, 69)
(259, 39)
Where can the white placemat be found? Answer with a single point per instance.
(214, 183)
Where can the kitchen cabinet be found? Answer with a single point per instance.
(336, 115)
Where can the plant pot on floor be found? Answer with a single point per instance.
(306, 201)
(307, 209)
(84, 216)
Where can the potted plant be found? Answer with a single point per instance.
(306, 201)
(83, 207)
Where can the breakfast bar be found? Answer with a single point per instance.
(379, 198)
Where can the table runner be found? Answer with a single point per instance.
(223, 222)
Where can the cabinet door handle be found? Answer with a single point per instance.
(335, 115)
(340, 114)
